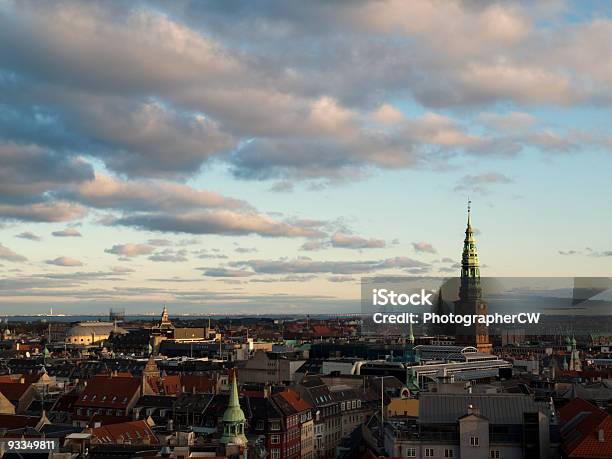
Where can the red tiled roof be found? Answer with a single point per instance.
(576, 406)
(134, 432)
(108, 392)
(591, 446)
(583, 442)
(197, 384)
(14, 390)
(171, 384)
(293, 398)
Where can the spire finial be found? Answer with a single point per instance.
(469, 209)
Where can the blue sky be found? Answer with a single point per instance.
(262, 157)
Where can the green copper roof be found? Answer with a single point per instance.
(469, 258)
(234, 413)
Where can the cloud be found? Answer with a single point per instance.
(223, 272)
(204, 254)
(305, 265)
(246, 250)
(569, 252)
(283, 186)
(218, 222)
(28, 235)
(121, 270)
(285, 108)
(340, 279)
(29, 171)
(480, 183)
(64, 261)
(169, 255)
(51, 212)
(423, 247)
(130, 250)
(603, 253)
(8, 255)
(159, 242)
(68, 232)
(289, 278)
(348, 241)
(105, 192)
(311, 246)
(510, 122)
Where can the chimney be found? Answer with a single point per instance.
(600, 435)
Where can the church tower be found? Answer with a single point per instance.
(470, 294)
(234, 422)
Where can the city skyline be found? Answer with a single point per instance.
(220, 157)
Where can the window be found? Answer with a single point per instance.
(260, 425)
(429, 452)
(275, 453)
(495, 454)
(275, 439)
(474, 441)
(275, 425)
(449, 453)
(411, 452)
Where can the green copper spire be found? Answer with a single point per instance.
(411, 335)
(469, 258)
(470, 270)
(233, 418)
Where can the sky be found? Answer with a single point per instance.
(262, 157)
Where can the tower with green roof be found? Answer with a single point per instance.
(470, 293)
(234, 423)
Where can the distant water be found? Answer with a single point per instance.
(150, 318)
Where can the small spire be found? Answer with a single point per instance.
(469, 209)
(234, 400)
(411, 336)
